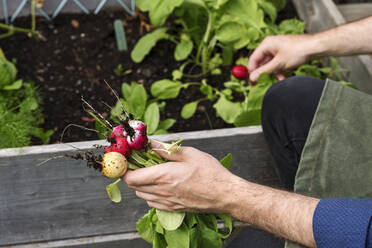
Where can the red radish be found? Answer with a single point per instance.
(138, 141)
(121, 146)
(114, 165)
(138, 125)
(118, 132)
(240, 72)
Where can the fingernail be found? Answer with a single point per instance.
(155, 144)
(254, 76)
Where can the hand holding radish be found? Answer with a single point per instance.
(195, 181)
(278, 54)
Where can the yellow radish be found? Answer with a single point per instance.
(114, 165)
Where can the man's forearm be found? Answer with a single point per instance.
(349, 39)
(282, 213)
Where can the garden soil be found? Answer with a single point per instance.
(80, 52)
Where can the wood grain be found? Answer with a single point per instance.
(63, 199)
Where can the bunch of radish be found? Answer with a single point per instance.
(124, 139)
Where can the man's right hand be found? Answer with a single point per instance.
(278, 54)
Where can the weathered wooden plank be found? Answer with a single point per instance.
(324, 14)
(112, 241)
(64, 200)
(356, 11)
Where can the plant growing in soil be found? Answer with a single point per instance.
(20, 112)
(239, 102)
(136, 101)
(207, 27)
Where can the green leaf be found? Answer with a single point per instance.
(215, 4)
(167, 89)
(113, 191)
(44, 136)
(279, 4)
(152, 117)
(226, 161)
(252, 115)
(209, 220)
(29, 104)
(348, 84)
(159, 228)
(160, 131)
(116, 111)
(14, 86)
(209, 237)
(158, 241)
(146, 43)
(228, 222)
(161, 9)
(170, 220)
(235, 86)
(176, 75)
(246, 11)
(179, 238)
(207, 90)
(292, 26)
(227, 110)
(268, 8)
(8, 73)
(137, 101)
(145, 5)
(2, 55)
(101, 129)
(183, 48)
(126, 90)
(145, 227)
(189, 109)
(166, 124)
(248, 118)
(229, 32)
(227, 55)
(242, 61)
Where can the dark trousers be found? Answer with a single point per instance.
(287, 112)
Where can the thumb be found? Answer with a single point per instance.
(176, 153)
(270, 67)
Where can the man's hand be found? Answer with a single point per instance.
(196, 181)
(278, 54)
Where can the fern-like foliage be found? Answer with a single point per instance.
(20, 116)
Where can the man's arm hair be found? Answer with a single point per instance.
(349, 39)
(282, 213)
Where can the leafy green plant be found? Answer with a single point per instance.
(136, 102)
(120, 71)
(20, 113)
(245, 112)
(205, 25)
(209, 32)
(185, 230)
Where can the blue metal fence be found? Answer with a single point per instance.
(11, 17)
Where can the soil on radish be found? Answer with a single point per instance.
(80, 53)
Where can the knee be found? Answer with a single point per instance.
(290, 92)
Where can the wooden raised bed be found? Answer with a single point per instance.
(324, 14)
(64, 204)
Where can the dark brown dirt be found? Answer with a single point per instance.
(80, 53)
